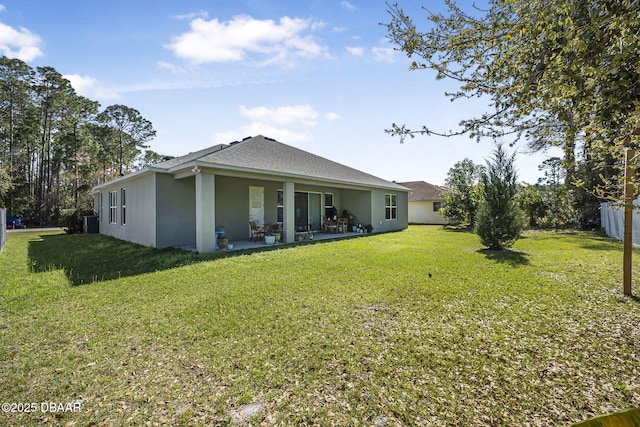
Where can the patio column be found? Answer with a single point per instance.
(289, 217)
(205, 212)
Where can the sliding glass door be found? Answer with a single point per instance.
(315, 211)
(308, 207)
(302, 211)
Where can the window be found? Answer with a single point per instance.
(123, 202)
(328, 200)
(391, 206)
(280, 203)
(437, 206)
(329, 209)
(113, 207)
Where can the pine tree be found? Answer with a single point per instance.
(499, 221)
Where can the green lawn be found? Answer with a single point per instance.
(418, 327)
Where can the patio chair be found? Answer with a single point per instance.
(343, 225)
(329, 226)
(257, 231)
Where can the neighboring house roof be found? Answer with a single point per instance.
(422, 191)
(268, 156)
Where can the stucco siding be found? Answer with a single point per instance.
(403, 210)
(161, 211)
(378, 214)
(358, 203)
(140, 225)
(422, 213)
(232, 204)
(176, 205)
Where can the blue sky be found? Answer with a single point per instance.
(318, 75)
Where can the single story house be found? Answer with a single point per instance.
(425, 201)
(181, 202)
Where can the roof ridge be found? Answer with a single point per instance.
(206, 151)
(186, 158)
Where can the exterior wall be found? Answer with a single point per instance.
(357, 203)
(140, 225)
(422, 213)
(378, 220)
(232, 204)
(176, 208)
(161, 210)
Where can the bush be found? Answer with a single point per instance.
(72, 219)
(461, 199)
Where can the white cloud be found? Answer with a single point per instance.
(187, 16)
(355, 51)
(289, 124)
(2, 7)
(21, 44)
(287, 115)
(317, 25)
(163, 65)
(348, 5)
(383, 54)
(232, 41)
(88, 87)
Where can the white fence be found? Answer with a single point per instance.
(3, 228)
(611, 219)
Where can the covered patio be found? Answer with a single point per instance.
(317, 237)
(247, 244)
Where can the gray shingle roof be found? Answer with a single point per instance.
(421, 191)
(177, 161)
(266, 155)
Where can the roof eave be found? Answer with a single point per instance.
(127, 177)
(201, 164)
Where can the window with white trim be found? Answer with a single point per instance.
(329, 209)
(113, 207)
(437, 206)
(123, 205)
(280, 203)
(328, 200)
(391, 206)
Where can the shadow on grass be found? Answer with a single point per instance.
(513, 258)
(88, 258)
(458, 229)
(595, 240)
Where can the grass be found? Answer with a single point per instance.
(419, 327)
